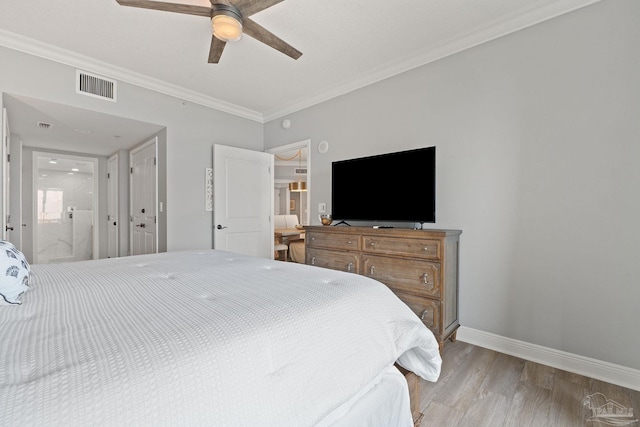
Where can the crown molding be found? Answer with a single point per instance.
(532, 15)
(524, 18)
(54, 53)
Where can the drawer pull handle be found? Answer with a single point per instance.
(425, 277)
(371, 270)
(424, 313)
(372, 244)
(313, 261)
(426, 249)
(349, 242)
(349, 266)
(313, 238)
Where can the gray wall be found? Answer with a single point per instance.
(538, 147)
(191, 131)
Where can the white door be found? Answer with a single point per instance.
(4, 167)
(243, 201)
(112, 206)
(143, 199)
(15, 194)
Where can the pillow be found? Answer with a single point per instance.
(14, 274)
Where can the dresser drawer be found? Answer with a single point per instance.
(404, 275)
(419, 248)
(343, 261)
(426, 309)
(332, 240)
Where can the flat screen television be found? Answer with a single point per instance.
(393, 187)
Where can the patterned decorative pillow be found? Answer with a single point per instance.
(14, 274)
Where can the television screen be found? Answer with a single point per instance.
(397, 186)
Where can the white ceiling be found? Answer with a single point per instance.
(345, 44)
(73, 129)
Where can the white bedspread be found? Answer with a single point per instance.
(199, 338)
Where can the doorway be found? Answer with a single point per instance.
(65, 203)
(292, 169)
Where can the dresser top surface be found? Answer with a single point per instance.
(409, 232)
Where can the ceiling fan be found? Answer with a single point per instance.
(229, 20)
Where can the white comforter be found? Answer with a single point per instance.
(199, 338)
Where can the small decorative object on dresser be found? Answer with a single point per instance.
(419, 266)
(326, 219)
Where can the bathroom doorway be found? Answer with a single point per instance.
(65, 205)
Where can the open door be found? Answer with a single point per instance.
(5, 223)
(243, 201)
(14, 234)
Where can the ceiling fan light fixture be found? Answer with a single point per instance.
(227, 20)
(226, 23)
(298, 186)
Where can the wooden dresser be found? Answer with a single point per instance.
(419, 266)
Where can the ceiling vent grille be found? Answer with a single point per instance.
(43, 125)
(96, 86)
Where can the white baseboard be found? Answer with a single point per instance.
(592, 368)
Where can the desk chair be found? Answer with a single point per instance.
(281, 251)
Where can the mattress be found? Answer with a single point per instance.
(200, 338)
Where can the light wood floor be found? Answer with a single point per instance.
(480, 387)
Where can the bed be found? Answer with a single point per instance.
(208, 338)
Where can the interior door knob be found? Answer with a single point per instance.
(220, 227)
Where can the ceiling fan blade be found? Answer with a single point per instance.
(215, 52)
(251, 28)
(250, 7)
(168, 7)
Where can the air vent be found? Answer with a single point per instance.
(43, 125)
(96, 86)
(300, 171)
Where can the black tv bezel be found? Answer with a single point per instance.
(401, 219)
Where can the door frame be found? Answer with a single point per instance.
(297, 146)
(152, 141)
(96, 198)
